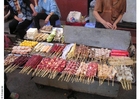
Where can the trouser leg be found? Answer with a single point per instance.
(12, 26)
(53, 19)
(37, 19)
(21, 28)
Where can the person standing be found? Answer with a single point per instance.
(22, 12)
(108, 13)
(51, 12)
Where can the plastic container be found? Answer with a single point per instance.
(76, 23)
(90, 25)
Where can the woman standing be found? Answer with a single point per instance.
(51, 12)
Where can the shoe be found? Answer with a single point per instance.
(14, 95)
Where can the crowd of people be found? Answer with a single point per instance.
(24, 13)
(108, 14)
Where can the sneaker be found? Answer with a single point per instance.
(14, 95)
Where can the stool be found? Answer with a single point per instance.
(31, 25)
(90, 25)
(57, 23)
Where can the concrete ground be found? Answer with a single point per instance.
(27, 89)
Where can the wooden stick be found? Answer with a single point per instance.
(30, 71)
(130, 85)
(45, 71)
(62, 75)
(14, 69)
(7, 68)
(122, 84)
(38, 72)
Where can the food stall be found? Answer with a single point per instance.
(88, 60)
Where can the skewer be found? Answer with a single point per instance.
(127, 82)
(13, 69)
(124, 81)
(130, 85)
(69, 76)
(38, 72)
(73, 79)
(55, 75)
(45, 71)
(7, 67)
(113, 82)
(62, 75)
(41, 73)
(30, 71)
(27, 70)
(122, 84)
(34, 72)
(65, 77)
(108, 81)
(92, 80)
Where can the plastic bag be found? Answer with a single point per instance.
(74, 16)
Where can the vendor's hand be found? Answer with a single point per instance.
(47, 20)
(108, 25)
(34, 13)
(20, 19)
(114, 26)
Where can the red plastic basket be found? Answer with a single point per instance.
(76, 23)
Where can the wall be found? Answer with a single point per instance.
(130, 15)
(66, 6)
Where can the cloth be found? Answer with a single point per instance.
(110, 10)
(49, 6)
(24, 7)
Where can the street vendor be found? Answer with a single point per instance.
(108, 13)
(51, 12)
(23, 12)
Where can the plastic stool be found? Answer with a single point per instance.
(31, 25)
(90, 25)
(57, 23)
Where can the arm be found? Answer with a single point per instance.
(52, 10)
(33, 9)
(48, 17)
(117, 21)
(101, 20)
(36, 4)
(7, 15)
(29, 4)
(14, 15)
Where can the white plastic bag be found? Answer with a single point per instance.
(74, 16)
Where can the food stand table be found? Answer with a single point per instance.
(104, 38)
